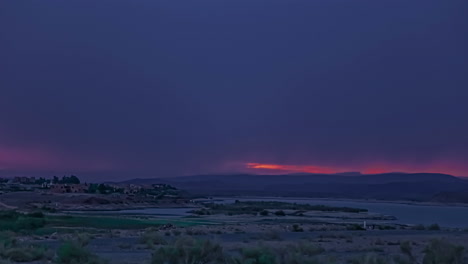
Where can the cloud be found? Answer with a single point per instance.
(187, 90)
(290, 168)
(447, 167)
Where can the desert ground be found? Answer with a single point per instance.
(242, 232)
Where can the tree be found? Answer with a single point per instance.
(102, 188)
(40, 181)
(69, 180)
(93, 188)
(74, 180)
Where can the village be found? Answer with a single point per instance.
(72, 184)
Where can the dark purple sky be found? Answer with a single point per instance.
(151, 88)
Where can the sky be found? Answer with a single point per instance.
(117, 89)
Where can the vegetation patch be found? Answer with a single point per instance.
(15, 221)
(152, 239)
(12, 250)
(75, 252)
(189, 250)
(38, 223)
(443, 252)
(262, 207)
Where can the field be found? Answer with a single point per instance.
(242, 232)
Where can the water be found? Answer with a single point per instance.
(447, 216)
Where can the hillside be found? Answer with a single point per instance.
(388, 186)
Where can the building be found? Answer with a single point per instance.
(24, 180)
(69, 188)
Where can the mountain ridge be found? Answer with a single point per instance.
(385, 186)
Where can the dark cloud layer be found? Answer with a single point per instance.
(163, 88)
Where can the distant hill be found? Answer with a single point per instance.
(387, 186)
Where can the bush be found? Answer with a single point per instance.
(258, 255)
(398, 259)
(26, 253)
(297, 228)
(433, 227)
(14, 221)
(369, 259)
(300, 253)
(152, 238)
(354, 227)
(443, 252)
(10, 249)
(308, 249)
(280, 213)
(74, 252)
(264, 213)
(406, 249)
(188, 250)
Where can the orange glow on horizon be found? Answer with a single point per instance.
(290, 168)
(376, 168)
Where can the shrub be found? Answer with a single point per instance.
(398, 259)
(82, 239)
(309, 249)
(26, 253)
(72, 252)
(259, 255)
(200, 212)
(407, 250)
(433, 227)
(301, 253)
(264, 213)
(386, 227)
(297, 228)
(280, 213)
(14, 221)
(439, 251)
(188, 250)
(354, 227)
(369, 259)
(10, 249)
(152, 238)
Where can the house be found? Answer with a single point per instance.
(132, 189)
(78, 188)
(46, 185)
(58, 188)
(24, 180)
(69, 188)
